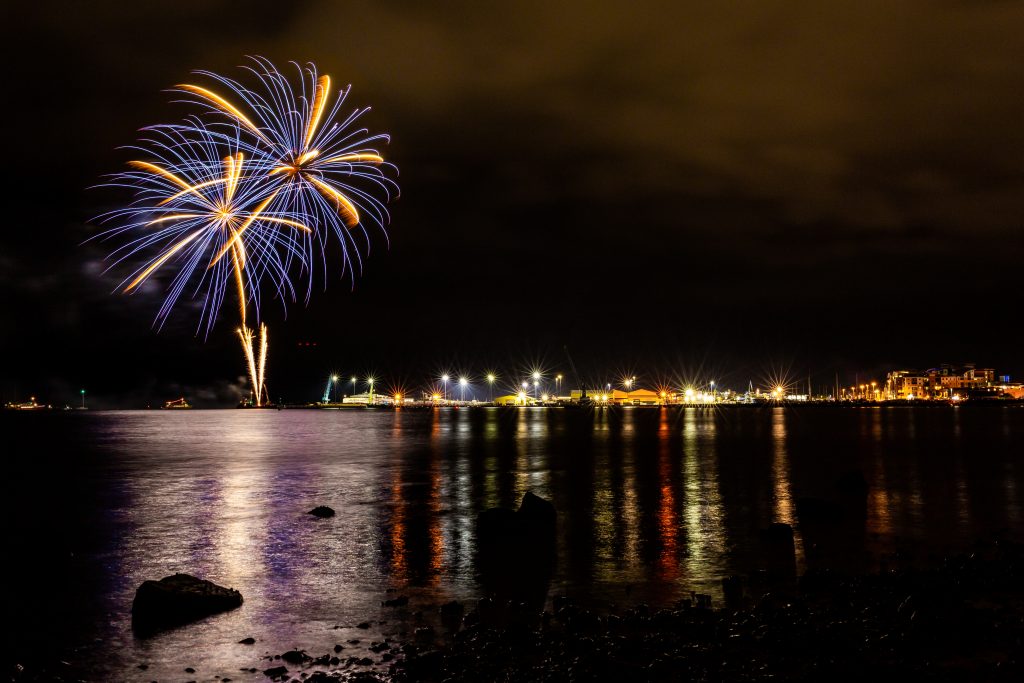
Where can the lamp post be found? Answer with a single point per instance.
(713, 390)
(558, 385)
(353, 385)
(369, 381)
(536, 383)
(462, 388)
(83, 398)
(334, 382)
(490, 390)
(444, 381)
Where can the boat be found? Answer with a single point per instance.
(177, 404)
(28, 405)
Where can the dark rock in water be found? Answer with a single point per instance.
(516, 550)
(322, 511)
(295, 656)
(732, 591)
(400, 601)
(189, 670)
(247, 641)
(539, 517)
(275, 671)
(339, 648)
(362, 624)
(178, 599)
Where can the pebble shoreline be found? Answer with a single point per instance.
(960, 620)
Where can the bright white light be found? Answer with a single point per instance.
(536, 376)
(490, 378)
(444, 378)
(463, 381)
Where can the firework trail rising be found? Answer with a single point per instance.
(249, 195)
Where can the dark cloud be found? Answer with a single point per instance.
(656, 181)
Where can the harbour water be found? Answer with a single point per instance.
(653, 503)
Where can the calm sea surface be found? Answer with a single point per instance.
(653, 503)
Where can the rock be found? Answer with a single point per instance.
(178, 599)
(516, 550)
(779, 552)
(339, 648)
(295, 656)
(451, 615)
(362, 624)
(400, 601)
(539, 516)
(322, 511)
(247, 641)
(732, 591)
(276, 671)
(189, 670)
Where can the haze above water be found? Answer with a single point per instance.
(653, 503)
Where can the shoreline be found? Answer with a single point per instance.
(960, 619)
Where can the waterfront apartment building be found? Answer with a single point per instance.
(944, 382)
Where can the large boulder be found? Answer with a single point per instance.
(516, 549)
(178, 599)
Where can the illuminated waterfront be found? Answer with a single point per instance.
(653, 503)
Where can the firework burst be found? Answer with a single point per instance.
(325, 164)
(250, 195)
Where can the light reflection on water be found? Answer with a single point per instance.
(653, 503)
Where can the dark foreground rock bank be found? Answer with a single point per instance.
(963, 620)
(179, 599)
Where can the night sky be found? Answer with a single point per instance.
(674, 190)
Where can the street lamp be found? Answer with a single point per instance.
(83, 398)
(444, 381)
(490, 382)
(370, 381)
(462, 388)
(536, 382)
(558, 384)
(353, 385)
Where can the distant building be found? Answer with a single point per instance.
(943, 382)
